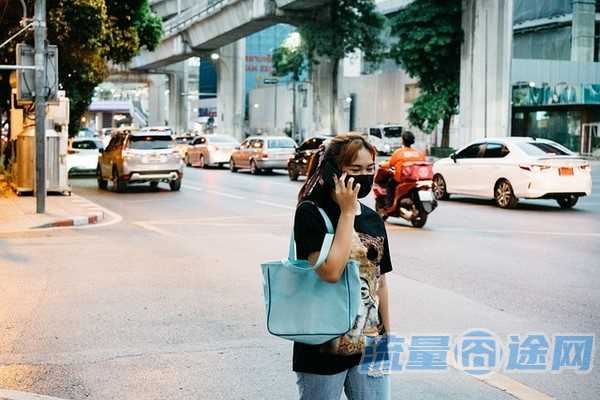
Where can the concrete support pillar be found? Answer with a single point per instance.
(157, 101)
(322, 79)
(174, 99)
(584, 20)
(98, 120)
(231, 89)
(486, 57)
(178, 105)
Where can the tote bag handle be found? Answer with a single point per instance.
(325, 247)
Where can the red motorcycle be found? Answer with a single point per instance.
(406, 193)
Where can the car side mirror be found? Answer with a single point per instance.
(100, 150)
(453, 157)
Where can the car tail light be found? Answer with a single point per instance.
(586, 168)
(265, 155)
(73, 152)
(534, 168)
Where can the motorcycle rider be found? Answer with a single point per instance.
(403, 155)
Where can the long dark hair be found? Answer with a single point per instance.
(338, 152)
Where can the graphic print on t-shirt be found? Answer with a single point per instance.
(368, 251)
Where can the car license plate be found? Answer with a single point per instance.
(425, 195)
(565, 171)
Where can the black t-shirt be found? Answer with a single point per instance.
(309, 232)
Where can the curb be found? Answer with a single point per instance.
(90, 219)
(6, 394)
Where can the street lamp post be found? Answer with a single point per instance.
(40, 106)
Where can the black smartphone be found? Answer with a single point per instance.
(329, 170)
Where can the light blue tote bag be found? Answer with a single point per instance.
(302, 307)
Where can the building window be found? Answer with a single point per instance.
(597, 42)
(411, 92)
(546, 44)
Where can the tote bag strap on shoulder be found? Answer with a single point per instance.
(327, 241)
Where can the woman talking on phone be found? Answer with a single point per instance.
(339, 175)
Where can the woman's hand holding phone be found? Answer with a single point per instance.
(346, 193)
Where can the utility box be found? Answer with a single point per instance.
(23, 171)
(23, 166)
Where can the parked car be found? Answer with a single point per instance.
(135, 156)
(385, 138)
(105, 134)
(211, 150)
(262, 153)
(82, 156)
(183, 143)
(298, 164)
(507, 169)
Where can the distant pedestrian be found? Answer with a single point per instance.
(339, 174)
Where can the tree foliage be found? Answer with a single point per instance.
(338, 29)
(342, 28)
(289, 61)
(89, 34)
(428, 37)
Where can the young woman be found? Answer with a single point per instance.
(338, 176)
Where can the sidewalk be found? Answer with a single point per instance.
(17, 213)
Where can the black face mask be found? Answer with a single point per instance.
(366, 184)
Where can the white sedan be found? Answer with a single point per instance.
(506, 169)
(210, 150)
(82, 157)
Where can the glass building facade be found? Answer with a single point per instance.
(258, 64)
(554, 96)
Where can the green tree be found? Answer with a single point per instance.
(428, 37)
(289, 59)
(339, 29)
(89, 34)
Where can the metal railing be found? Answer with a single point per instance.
(192, 15)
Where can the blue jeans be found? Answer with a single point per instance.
(357, 386)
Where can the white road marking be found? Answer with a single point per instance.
(290, 185)
(232, 196)
(156, 229)
(268, 203)
(506, 384)
(16, 395)
(506, 232)
(192, 221)
(433, 229)
(193, 188)
(114, 219)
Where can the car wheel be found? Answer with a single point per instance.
(420, 221)
(253, 168)
(439, 188)
(379, 208)
(175, 185)
(293, 174)
(201, 162)
(567, 201)
(154, 185)
(102, 183)
(119, 185)
(232, 166)
(504, 195)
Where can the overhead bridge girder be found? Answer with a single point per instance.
(217, 23)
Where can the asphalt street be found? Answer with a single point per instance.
(167, 302)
